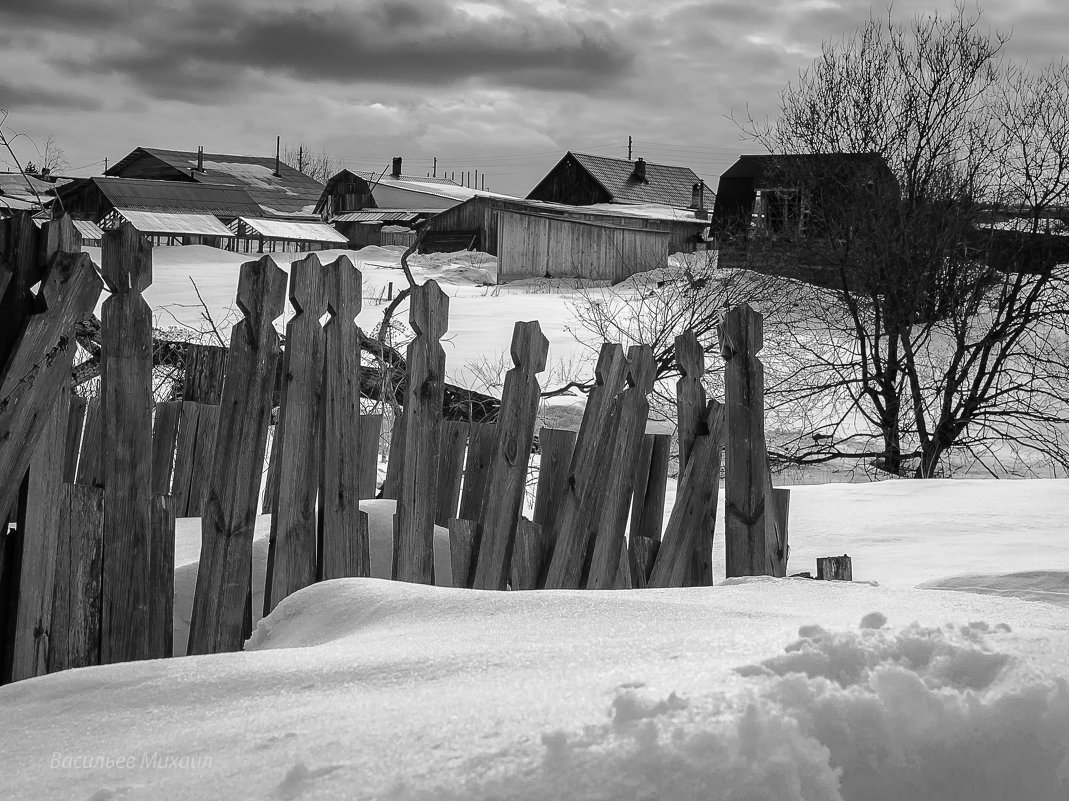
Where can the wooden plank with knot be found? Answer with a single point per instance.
(556, 446)
(291, 556)
(343, 544)
(75, 640)
(615, 502)
(499, 513)
(413, 552)
(224, 578)
(126, 411)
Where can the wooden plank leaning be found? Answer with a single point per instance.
(507, 481)
(343, 535)
(690, 408)
(126, 412)
(574, 524)
(694, 511)
(291, 556)
(615, 501)
(224, 579)
(413, 548)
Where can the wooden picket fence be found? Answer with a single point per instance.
(92, 489)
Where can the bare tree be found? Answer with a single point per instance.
(941, 329)
(321, 166)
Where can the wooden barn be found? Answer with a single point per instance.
(531, 238)
(95, 198)
(580, 179)
(279, 189)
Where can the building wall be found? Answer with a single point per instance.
(568, 182)
(534, 245)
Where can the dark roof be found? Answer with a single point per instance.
(170, 196)
(761, 166)
(291, 192)
(332, 183)
(671, 186)
(14, 184)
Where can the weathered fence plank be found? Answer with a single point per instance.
(343, 545)
(835, 568)
(126, 408)
(461, 545)
(450, 470)
(413, 551)
(396, 461)
(40, 362)
(574, 524)
(90, 466)
(526, 556)
(690, 408)
(555, 446)
(203, 459)
(615, 501)
(695, 508)
(33, 623)
(291, 560)
(20, 269)
(642, 553)
(204, 371)
(161, 600)
(164, 441)
(73, 437)
(271, 481)
(651, 484)
(503, 497)
(481, 439)
(76, 602)
(750, 526)
(185, 456)
(224, 578)
(370, 432)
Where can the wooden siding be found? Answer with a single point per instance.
(570, 182)
(531, 245)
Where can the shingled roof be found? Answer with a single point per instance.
(664, 184)
(168, 196)
(290, 193)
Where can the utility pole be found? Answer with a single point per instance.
(629, 148)
(434, 170)
(300, 158)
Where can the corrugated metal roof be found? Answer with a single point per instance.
(15, 184)
(290, 192)
(664, 184)
(150, 222)
(295, 231)
(180, 197)
(17, 204)
(89, 231)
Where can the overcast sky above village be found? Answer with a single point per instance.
(505, 86)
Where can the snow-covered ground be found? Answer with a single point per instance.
(751, 689)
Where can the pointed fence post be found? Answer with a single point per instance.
(503, 498)
(126, 409)
(343, 537)
(291, 558)
(575, 521)
(690, 409)
(695, 508)
(751, 525)
(413, 551)
(224, 578)
(615, 502)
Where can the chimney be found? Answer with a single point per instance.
(697, 200)
(278, 148)
(396, 173)
(640, 171)
(200, 158)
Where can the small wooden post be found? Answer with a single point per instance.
(76, 602)
(33, 623)
(461, 546)
(746, 474)
(413, 551)
(291, 556)
(503, 498)
(835, 568)
(224, 578)
(556, 446)
(450, 470)
(695, 507)
(481, 438)
(343, 544)
(161, 600)
(126, 393)
(615, 502)
(575, 521)
(526, 556)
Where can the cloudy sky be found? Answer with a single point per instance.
(504, 86)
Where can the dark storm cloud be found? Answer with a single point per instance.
(206, 48)
(17, 96)
(64, 13)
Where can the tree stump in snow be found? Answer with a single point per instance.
(835, 568)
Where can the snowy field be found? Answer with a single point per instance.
(751, 689)
(886, 688)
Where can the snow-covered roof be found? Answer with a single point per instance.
(88, 230)
(154, 222)
(295, 231)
